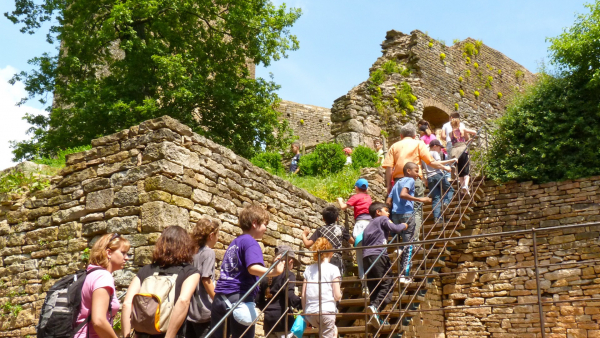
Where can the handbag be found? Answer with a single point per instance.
(298, 327)
(245, 313)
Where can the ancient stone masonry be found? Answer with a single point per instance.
(312, 124)
(478, 84)
(518, 206)
(135, 182)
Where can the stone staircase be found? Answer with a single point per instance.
(428, 259)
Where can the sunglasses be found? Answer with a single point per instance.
(114, 236)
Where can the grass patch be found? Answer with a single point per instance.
(58, 161)
(18, 182)
(330, 187)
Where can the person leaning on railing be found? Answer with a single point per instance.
(242, 265)
(273, 303)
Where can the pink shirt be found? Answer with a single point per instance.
(428, 139)
(97, 279)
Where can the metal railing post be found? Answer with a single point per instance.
(537, 283)
(320, 300)
(287, 285)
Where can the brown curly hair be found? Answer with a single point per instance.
(253, 214)
(98, 254)
(204, 227)
(174, 247)
(320, 244)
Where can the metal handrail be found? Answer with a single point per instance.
(211, 332)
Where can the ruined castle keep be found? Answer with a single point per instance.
(468, 77)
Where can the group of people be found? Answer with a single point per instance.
(195, 303)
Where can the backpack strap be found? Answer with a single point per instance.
(89, 317)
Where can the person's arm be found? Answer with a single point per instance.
(406, 196)
(470, 131)
(209, 286)
(337, 292)
(133, 289)
(297, 170)
(437, 165)
(307, 242)
(388, 201)
(259, 270)
(388, 179)
(100, 303)
(303, 298)
(444, 133)
(180, 310)
(343, 204)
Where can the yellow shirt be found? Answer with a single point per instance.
(406, 150)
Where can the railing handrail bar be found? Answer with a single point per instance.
(211, 332)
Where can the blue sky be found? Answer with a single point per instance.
(339, 41)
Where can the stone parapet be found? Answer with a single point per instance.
(519, 206)
(135, 182)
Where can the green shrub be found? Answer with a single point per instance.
(519, 74)
(460, 79)
(469, 49)
(430, 44)
(363, 157)
(456, 106)
(404, 98)
(442, 56)
(476, 65)
(499, 71)
(377, 77)
(476, 93)
(455, 41)
(468, 72)
(325, 159)
(478, 45)
(390, 66)
(58, 161)
(499, 95)
(461, 92)
(270, 161)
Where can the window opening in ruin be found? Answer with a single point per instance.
(435, 116)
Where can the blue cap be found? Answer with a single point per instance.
(362, 183)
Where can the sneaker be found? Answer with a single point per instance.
(405, 280)
(466, 190)
(374, 316)
(384, 322)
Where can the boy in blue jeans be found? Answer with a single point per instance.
(402, 198)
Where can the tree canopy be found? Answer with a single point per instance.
(551, 131)
(123, 62)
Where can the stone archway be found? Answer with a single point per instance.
(435, 116)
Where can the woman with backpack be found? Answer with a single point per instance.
(158, 298)
(99, 303)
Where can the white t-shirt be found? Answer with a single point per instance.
(447, 128)
(328, 273)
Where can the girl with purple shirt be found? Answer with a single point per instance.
(242, 265)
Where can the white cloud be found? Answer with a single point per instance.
(12, 127)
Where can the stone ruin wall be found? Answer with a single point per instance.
(135, 182)
(436, 85)
(312, 124)
(518, 206)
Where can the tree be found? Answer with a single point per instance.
(123, 62)
(551, 131)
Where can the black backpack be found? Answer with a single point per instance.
(61, 307)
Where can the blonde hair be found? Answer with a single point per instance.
(438, 136)
(114, 242)
(320, 244)
(455, 123)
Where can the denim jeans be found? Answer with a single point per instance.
(436, 193)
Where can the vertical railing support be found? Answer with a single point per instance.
(320, 301)
(537, 283)
(287, 285)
